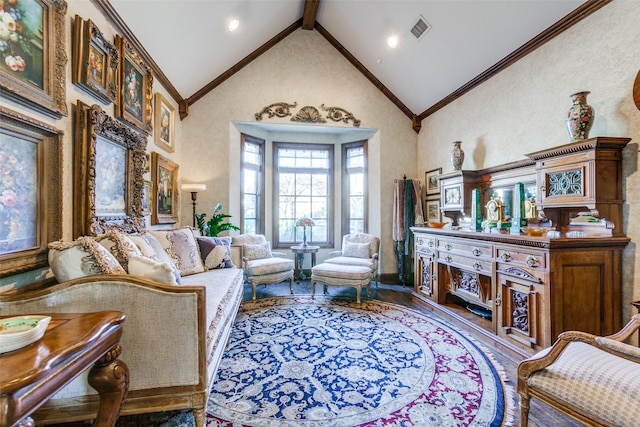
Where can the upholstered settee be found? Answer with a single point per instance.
(173, 336)
(595, 380)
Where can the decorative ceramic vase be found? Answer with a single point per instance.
(579, 117)
(457, 156)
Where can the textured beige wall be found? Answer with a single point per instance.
(306, 69)
(522, 110)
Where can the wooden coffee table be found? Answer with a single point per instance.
(72, 343)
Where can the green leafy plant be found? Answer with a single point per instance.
(216, 224)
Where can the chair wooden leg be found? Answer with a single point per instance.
(524, 411)
(253, 291)
(291, 285)
(313, 289)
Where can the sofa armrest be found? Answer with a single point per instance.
(170, 314)
(335, 254)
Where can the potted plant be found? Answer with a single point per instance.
(216, 224)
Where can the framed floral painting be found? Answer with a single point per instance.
(164, 124)
(108, 161)
(95, 61)
(30, 191)
(164, 178)
(32, 55)
(133, 105)
(433, 210)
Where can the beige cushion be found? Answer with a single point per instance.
(356, 250)
(151, 248)
(181, 246)
(362, 262)
(260, 267)
(150, 269)
(257, 251)
(595, 382)
(120, 246)
(350, 272)
(248, 239)
(80, 258)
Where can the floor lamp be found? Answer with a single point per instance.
(193, 188)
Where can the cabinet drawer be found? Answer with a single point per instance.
(425, 244)
(477, 265)
(467, 248)
(523, 258)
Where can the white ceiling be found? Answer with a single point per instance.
(188, 39)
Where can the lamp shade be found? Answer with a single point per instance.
(305, 222)
(194, 188)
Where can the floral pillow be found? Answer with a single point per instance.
(356, 250)
(257, 251)
(80, 258)
(182, 248)
(215, 252)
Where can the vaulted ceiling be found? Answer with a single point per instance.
(191, 51)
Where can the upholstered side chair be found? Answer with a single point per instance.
(358, 249)
(261, 265)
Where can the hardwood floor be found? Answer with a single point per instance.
(540, 415)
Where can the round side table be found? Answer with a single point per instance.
(299, 251)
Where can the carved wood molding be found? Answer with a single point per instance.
(518, 272)
(308, 113)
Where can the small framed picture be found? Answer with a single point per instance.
(432, 181)
(95, 61)
(164, 178)
(133, 104)
(164, 123)
(432, 209)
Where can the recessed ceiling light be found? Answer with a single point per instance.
(233, 25)
(392, 42)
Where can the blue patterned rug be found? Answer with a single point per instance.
(300, 362)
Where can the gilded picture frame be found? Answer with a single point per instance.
(33, 68)
(108, 179)
(164, 178)
(432, 181)
(30, 192)
(164, 123)
(95, 61)
(134, 101)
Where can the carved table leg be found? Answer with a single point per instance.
(199, 416)
(110, 377)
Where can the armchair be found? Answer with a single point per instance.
(595, 380)
(261, 265)
(358, 249)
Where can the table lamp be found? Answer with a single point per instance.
(304, 222)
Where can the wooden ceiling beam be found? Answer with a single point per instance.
(309, 14)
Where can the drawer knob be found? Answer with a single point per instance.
(498, 300)
(448, 258)
(448, 247)
(476, 251)
(505, 256)
(420, 241)
(477, 266)
(532, 261)
(430, 244)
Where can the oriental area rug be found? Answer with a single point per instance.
(302, 362)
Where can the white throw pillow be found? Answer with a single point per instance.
(356, 250)
(258, 251)
(150, 269)
(182, 248)
(151, 248)
(80, 258)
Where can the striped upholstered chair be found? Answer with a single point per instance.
(595, 380)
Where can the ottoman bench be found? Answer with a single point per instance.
(341, 275)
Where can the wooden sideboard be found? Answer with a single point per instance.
(533, 288)
(523, 291)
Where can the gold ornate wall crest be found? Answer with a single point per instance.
(278, 109)
(308, 114)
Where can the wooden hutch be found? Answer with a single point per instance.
(526, 290)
